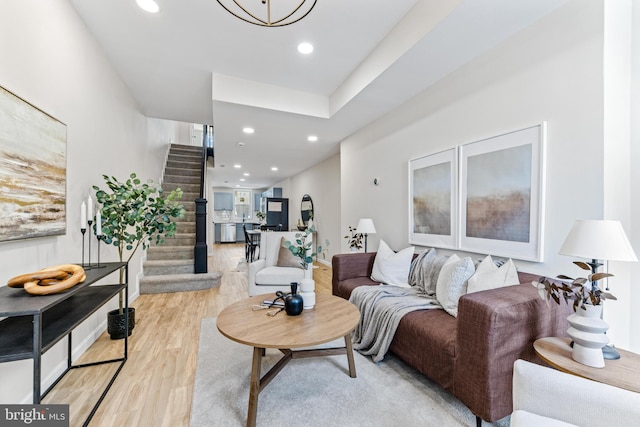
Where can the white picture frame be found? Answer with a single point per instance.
(502, 193)
(433, 208)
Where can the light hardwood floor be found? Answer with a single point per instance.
(155, 386)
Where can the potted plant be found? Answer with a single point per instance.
(354, 239)
(587, 329)
(579, 292)
(133, 215)
(303, 250)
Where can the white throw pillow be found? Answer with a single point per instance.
(392, 268)
(489, 276)
(452, 282)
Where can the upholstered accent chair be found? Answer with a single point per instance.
(546, 397)
(275, 268)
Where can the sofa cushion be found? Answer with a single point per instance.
(490, 276)
(452, 282)
(279, 275)
(426, 340)
(285, 257)
(392, 268)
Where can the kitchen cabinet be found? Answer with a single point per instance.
(222, 201)
(256, 201)
(217, 232)
(240, 233)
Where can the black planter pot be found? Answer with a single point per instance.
(116, 323)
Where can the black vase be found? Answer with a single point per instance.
(293, 303)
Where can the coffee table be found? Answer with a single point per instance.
(331, 318)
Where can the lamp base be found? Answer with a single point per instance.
(610, 353)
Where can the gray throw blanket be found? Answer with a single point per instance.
(381, 308)
(424, 272)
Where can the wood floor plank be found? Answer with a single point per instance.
(156, 384)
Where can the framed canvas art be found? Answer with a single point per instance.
(502, 194)
(432, 200)
(33, 171)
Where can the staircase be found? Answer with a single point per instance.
(169, 267)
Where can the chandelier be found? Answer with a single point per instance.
(266, 16)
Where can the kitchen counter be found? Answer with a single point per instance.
(239, 231)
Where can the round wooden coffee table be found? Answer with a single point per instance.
(331, 318)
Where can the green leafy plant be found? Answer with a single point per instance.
(578, 292)
(261, 216)
(302, 247)
(134, 214)
(354, 239)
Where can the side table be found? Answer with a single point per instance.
(623, 373)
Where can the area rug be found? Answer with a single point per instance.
(316, 391)
(243, 265)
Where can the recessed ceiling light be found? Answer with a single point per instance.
(248, 130)
(237, 166)
(274, 168)
(312, 138)
(241, 179)
(246, 174)
(305, 48)
(149, 5)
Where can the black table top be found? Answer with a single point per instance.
(17, 302)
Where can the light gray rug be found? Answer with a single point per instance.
(316, 391)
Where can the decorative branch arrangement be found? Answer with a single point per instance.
(578, 292)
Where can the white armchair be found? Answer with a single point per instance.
(549, 398)
(265, 277)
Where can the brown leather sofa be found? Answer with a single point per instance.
(470, 356)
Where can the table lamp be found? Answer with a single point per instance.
(366, 227)
(599, 240)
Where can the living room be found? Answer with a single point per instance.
(566, 70)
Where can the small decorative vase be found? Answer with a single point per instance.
(307, 290)
(293, 303)
(588, 334)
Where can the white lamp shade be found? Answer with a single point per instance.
(600, 240)
(365, 226)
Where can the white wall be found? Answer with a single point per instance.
(50, 60)
(634, 195)
(617, 155)
(550, 72)
(554, 71)
(322, 183)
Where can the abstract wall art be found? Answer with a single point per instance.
(502, 194)
(433, 200)
(32, 171)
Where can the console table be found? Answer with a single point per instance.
(35, 323)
